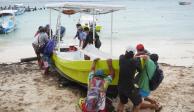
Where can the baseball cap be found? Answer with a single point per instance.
(140, 47)
(99, 72)
(130, 48)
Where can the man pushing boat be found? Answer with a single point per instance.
(98, 83)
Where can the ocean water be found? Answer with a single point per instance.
(163, 26)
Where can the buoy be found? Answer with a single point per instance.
(69, 12)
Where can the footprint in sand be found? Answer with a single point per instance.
(21, 99)
(22, 86)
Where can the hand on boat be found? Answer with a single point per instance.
(109, 61)
(96, 59)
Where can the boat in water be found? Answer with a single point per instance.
(20, 9)
(7, 21)
(69, 59)
(185, 2)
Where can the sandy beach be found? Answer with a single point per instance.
(24, 88)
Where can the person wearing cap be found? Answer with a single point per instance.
(148, 69)
(141, 50)
(39, 45)
(127, 85)
(98, 83)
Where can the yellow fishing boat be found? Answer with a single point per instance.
(69, 59)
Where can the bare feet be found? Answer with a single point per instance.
(120, 107)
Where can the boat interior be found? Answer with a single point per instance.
(75, 53)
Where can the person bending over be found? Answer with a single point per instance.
(98, 83)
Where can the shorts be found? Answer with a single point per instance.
(134, 96)
(47, 61)
(144, 93)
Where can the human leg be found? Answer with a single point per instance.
(136, 108)
(46, 61)
(120, 107)
(151, 103)
(123, 100)
(136, 99)
(145, 105)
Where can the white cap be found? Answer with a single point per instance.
(130, 48)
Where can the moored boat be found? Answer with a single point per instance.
(184, 3)
(20, 9)
(7, 21)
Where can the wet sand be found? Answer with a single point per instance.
(24, 88)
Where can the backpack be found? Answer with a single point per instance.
(157, 78)
(94, 100)
(49, 47)
(98, 43)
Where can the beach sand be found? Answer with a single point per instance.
(24, 88)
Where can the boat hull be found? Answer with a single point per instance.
(78, 71)
(20, 11)
(8, 28)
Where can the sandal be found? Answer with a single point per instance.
(81, 103)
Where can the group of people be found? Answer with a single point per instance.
(135, 72)
(43, 47)
(137, 67)
(85, 36)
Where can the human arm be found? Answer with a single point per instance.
(152, 101)
(94, 65)
(77, 33)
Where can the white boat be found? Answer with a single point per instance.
(20, 9)
(7, 21)
(69, 59)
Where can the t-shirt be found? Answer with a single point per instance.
(89, 39)
(41, 39)
(127, 71)
(82, 35)
(108, 79)
(102, 90)
(149, 68)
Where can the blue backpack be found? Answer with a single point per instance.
(49, 47)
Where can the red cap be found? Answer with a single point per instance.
(140, 47)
